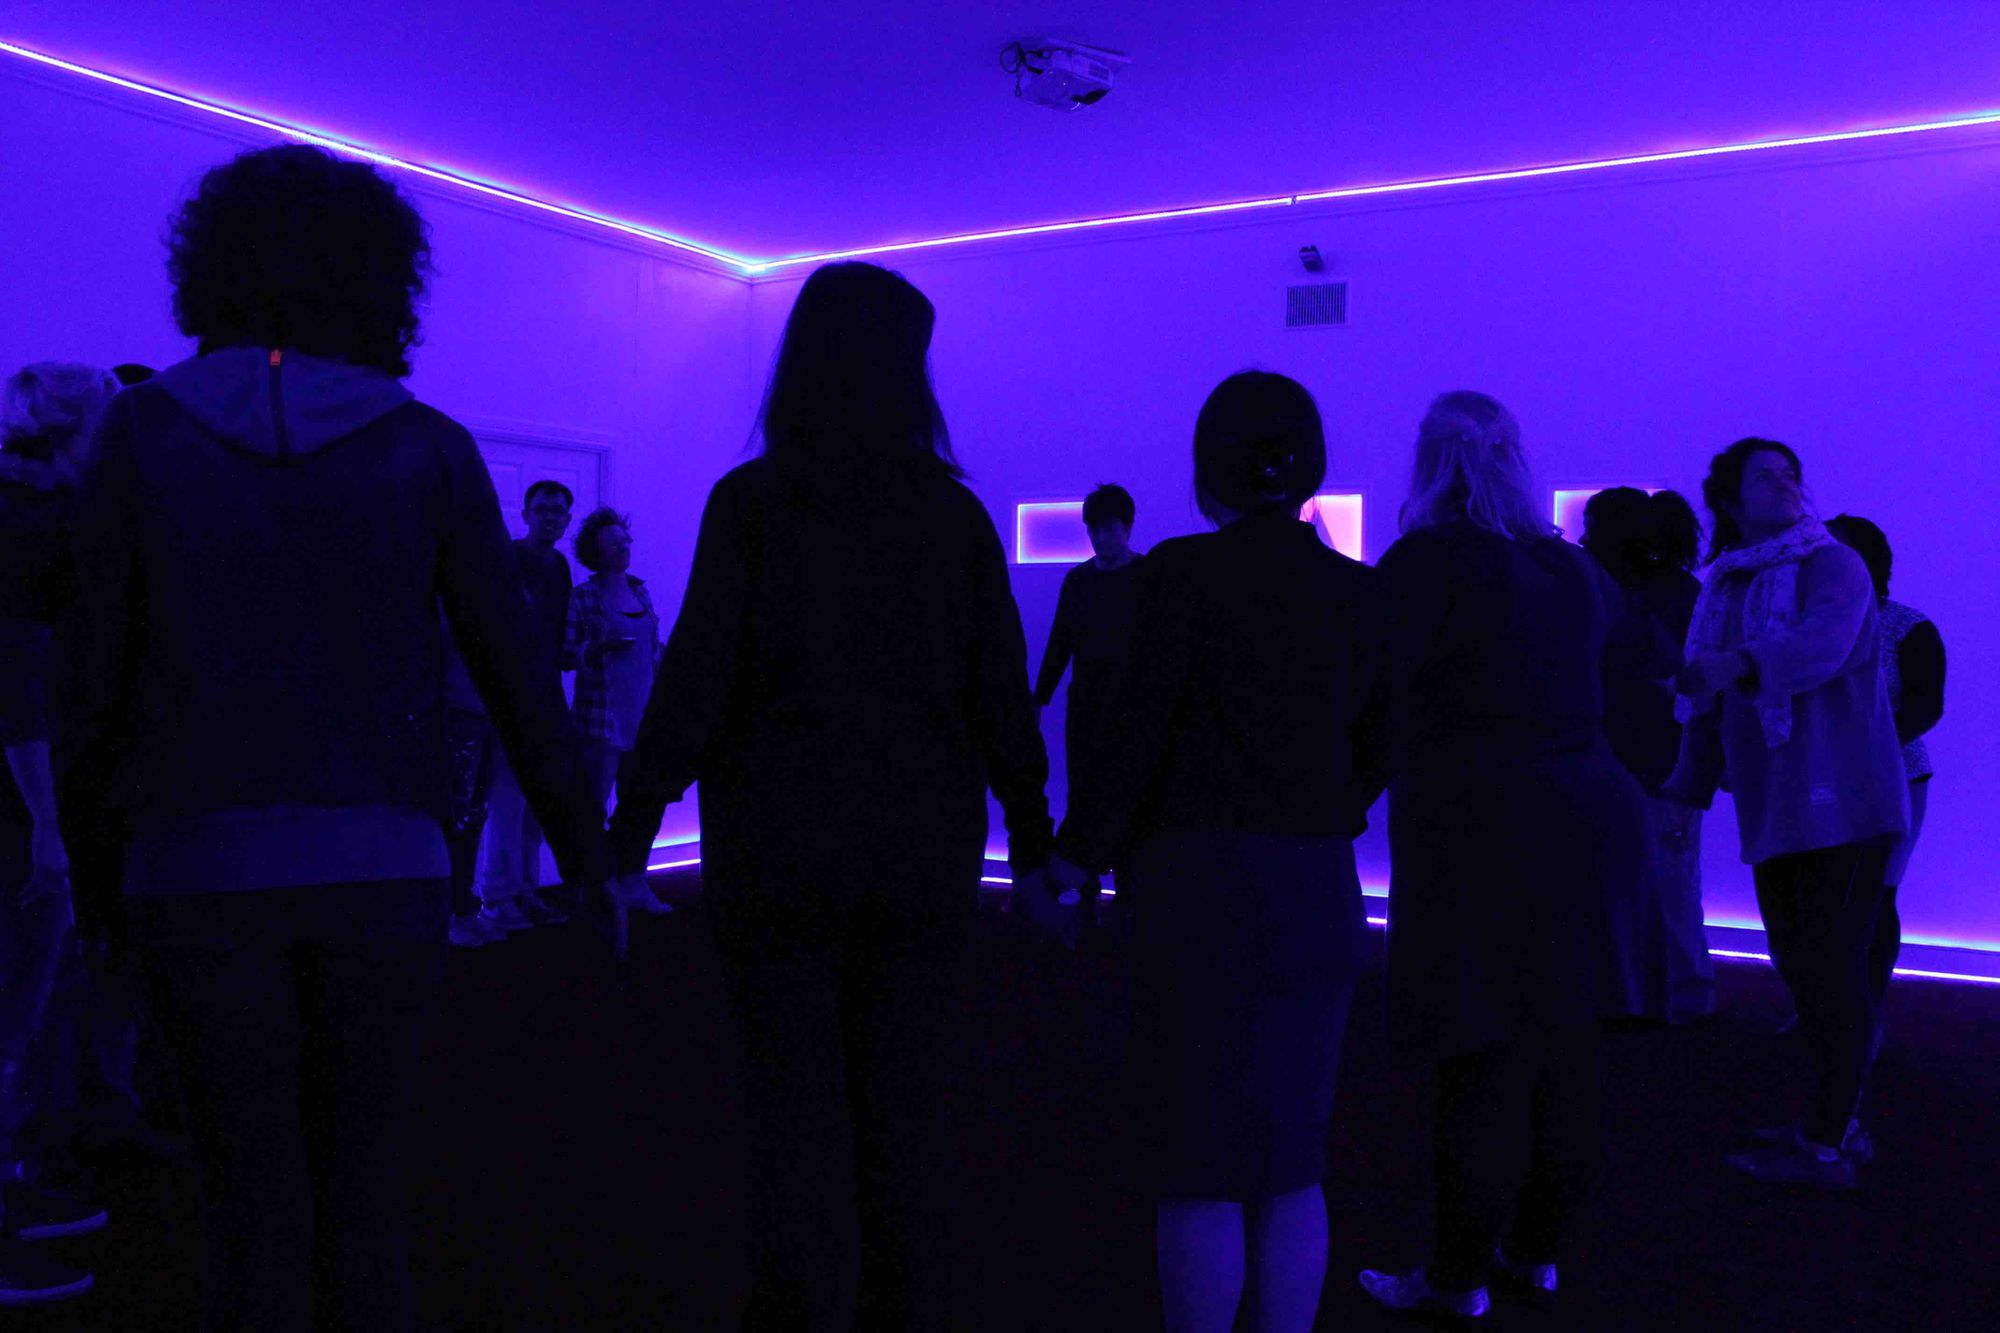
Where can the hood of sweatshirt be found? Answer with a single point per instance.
(279, 404)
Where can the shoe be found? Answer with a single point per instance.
(34, 1212)
(472, 930)
(29, 1277)
(1536, 1282)
(507, 916)
(1855, 1145)
(1412, 1293)
(1794, 1162)
(641, 898)
(539, 912)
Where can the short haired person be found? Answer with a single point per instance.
(256, 684)
(1092, 635)
(510, 849)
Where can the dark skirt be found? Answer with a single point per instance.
(1246, 948)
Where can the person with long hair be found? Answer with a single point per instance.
(47, 412)
(1514, 838)
(1647, 544)
(1783, 693)
(256, 689)
(1913, 669)
(846, 677)
(1251, 736)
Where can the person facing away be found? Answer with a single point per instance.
(1647, 544)
(47, 411)
(1251, 742)
(1092, 634)
(846, 677)
(1514, 839)
(1913, 671)
(266, 532)
(1783, 693)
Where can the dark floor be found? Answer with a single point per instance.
(582, 1153)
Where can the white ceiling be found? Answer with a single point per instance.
(774, 129)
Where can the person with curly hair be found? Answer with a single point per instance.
(258, 689)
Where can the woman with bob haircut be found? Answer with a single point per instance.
(1514, 834)
(258, 692)
(845, 678)
(1250, 724)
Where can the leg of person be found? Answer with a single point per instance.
(1202, 1263)
(1889, 925)
(1843, 908)
(1690, 968)
(1568, 1143)
(899, 1006)
(1483, 1139)
(803, 1251)
(531, 848)
(369, 976)
(221, 975)
(1780, 884)
(1285, 1269)
(32, 937)
(499, 878)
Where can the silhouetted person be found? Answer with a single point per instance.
(1783, 693)
(47, 411)
(846, 676)
(1648, 543)
(1091, 639)
(1250, 743)
(264, 535)
(510, 851)
(1515, 837)
(1913, 669)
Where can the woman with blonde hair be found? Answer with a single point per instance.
(1511, 829)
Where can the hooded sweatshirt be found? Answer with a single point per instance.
(257, 671)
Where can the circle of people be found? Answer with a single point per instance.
(262, 707)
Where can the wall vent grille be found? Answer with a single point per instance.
(1316, 305)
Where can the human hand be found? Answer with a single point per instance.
(1035, 897)
(49, 877)
(1068, 878)
(1710, 673)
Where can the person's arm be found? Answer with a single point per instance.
(1370, 736)
(571, 658)
(1008, 732)
(691, 689)
(1061, 645)
(1920, 659)
(1698, 771)
(1418, 571)
(487, 605)
(1835, 596)
(1145, 711)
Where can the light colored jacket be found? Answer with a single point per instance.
(1839, 778)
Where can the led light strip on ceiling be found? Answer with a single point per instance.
(748, 267)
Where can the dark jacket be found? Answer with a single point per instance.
(256, 672)
(846, 677)
(1256, 699)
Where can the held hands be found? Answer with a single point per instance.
(1068, 879)
(1711, 673)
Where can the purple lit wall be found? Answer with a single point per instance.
(1635, 325)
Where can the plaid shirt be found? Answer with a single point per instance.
(590, 621)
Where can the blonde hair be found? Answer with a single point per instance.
(1470, 466)
(55, 404)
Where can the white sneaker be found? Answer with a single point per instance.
(507, 916)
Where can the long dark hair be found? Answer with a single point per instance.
(1258, 445)
(1723, 486)
(851, 389)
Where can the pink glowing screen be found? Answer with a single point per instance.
(1569, 507)
(1051, 532)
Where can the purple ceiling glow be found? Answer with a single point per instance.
(751, 267)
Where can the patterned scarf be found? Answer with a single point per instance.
(1771, 602)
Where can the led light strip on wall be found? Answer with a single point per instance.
(747, 267)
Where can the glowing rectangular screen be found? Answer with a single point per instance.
(1569, 507)
(1050, 533)
(1337, 519)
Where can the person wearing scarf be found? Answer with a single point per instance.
(1783, 700)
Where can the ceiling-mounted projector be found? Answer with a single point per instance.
(1061, 75)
